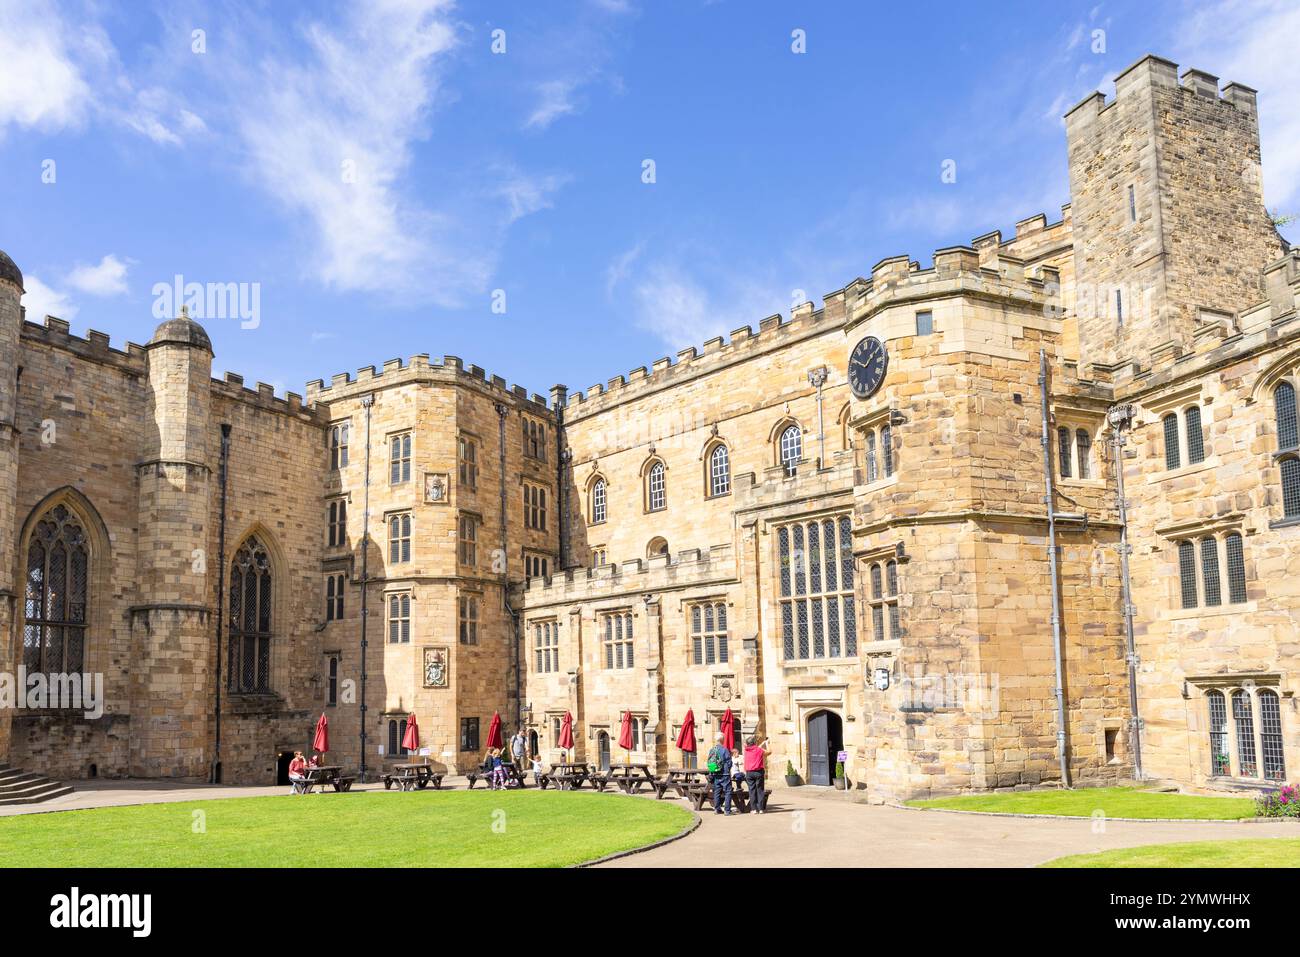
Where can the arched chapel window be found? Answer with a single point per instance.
(719, 471)
(791, 449)
(58, 566)
(250, 619)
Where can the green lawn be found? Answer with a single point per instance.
(1253, 852)
(362, 829)
(1113, 802)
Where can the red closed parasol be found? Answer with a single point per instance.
(625, 734)
(686, 736)
(566, 732)
(411, 740)
(494, 731)
(320, 742)
(729, 730)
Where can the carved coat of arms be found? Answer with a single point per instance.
(435, 667)
(725, 688)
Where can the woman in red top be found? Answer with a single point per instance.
(297, 772)
(755, 774)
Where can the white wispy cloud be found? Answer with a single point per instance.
(41, 82)
(555, 98)
(108, 278)
(41, 300)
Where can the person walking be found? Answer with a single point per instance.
(720, 775)
(756, 772)
(498, 771)
(519, 750)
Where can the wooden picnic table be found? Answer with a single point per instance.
(514, 775)
(630, 777)
(409, 777)
(569, 775)
(323, 775)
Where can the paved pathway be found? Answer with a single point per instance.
(804, 828)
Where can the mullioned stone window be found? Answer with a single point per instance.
(1244, 747)
(616, 634)
(815, 568)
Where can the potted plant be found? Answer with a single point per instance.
(791, 775)
(840, 781)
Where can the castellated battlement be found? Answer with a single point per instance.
(419, 368)
(633, 578)
(95, 347)
(264, 397)
(1153, 72)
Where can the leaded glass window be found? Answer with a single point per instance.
(250, 619)
(1236, 569)
(709, 633)
(1195, 437)
(54, 609)
(1187, 573)
(1270, 736)
(1288, 436)
(719, 471)
(1291, 488)
(1243, 717)
(1220, 763)
(1083, 453)
(656, 490)
(1172, 457)
(1063, 453)
(598, 501)
(816, 589)
(791, 449)
(618, 640)
(1210, 571)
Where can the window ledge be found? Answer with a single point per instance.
(879, 484)
(1206, 464)
(1218, 611)
(1083, 483)
(1285, 523)
(875, 648)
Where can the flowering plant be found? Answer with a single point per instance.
(1284, 802)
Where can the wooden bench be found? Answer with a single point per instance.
(412, 780)
(514, 777)
(319, 777)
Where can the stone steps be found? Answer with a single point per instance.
(24, 787)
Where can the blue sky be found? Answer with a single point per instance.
(384, 177)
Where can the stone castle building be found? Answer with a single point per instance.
(889, 527)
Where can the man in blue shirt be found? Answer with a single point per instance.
(720, 774)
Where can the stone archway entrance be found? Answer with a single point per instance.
(825, 741)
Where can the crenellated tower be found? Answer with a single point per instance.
(11, 291)
(1170, 229)
(170, 623)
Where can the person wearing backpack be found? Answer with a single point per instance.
(720, 775)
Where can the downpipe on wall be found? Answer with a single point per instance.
(1121, 420)
(1054, 569)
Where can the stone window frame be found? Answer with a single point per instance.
(335, 595)
(469, 615)
(1189, 539)
(599, 555)
(535, 505)
(401, 529)
(467, 526)
(1177, 405)
(404, 439)
(338, 436)
(467, 460)
(1252, 686)
(1076, 438)
(536, 564)
(597, 505)
(333, 676)
(275, 568)
(396, 735)
(398, 605)
(470, 735)
(717, 469)
(928, 326)
(546, 645)
(807, 591)
(336, 522)
(654, 483)
(532, 437)
(786, 437)
(617, 647)
(699, 613)
(879, 444)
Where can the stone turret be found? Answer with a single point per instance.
(171, 624)
(11, 291)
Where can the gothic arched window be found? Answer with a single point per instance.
(791, 449)
(598, 503)
(656, 488)
(719, 471)
(58, 565)
(250, 619)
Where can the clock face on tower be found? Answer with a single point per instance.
(867, 365)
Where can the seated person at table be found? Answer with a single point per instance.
(737, 767)
(313, 761)
(297, 773)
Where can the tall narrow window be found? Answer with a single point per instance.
(1132, 205)
(334, 597)
(467, 452)
(887, 448)
(1270, 736)
(1195, 437)
(332, 681)
(1236, 568)
(1244, 718)
(656, 489)
(339, 445)
(1187, 573)
(338, 523)
(1220, 763)
(535, 507)
(1083, 453)
(1119, 307)
(546, 646)
(250, 619)
(469, 734)
(1172, 457)
(924, 323)
(399, 538)
(399, 619)
(719, 471)
(1291, 488)
(54, 610)
(598, 501)
(467, 615)
(618, 640)
(1288, 435)
(1063, 451)
(399, 459)
(791, 449)
(467, 543)
(872, 466)
(1210, 571)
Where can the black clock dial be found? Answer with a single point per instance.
(867, 365)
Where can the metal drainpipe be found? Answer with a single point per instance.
(502, 412)
(215, 774)
(1121, 418)
(367, 403)
(1053, 570)
(817, 378)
